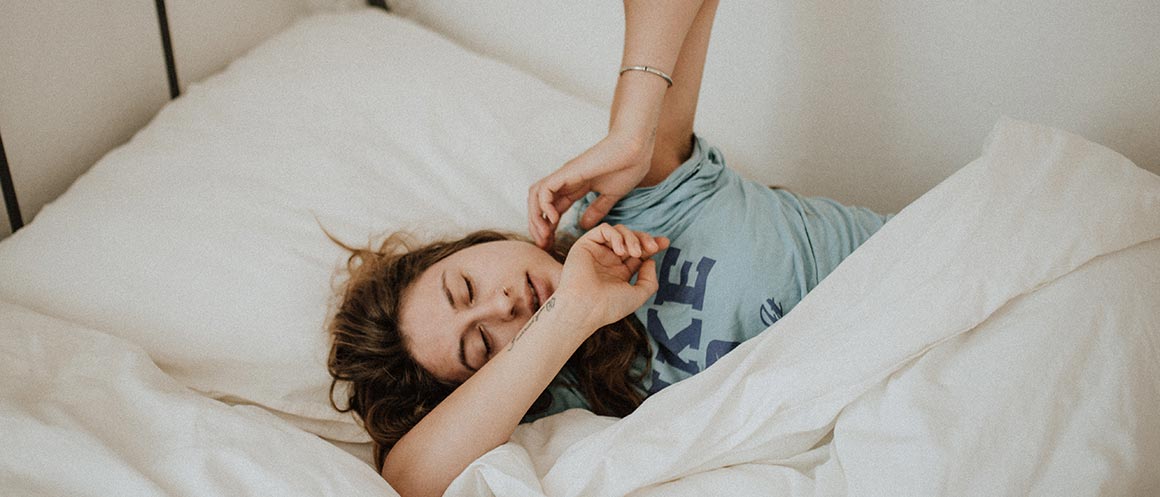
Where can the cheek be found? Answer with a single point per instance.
(506, 333)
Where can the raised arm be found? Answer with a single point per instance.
(673, 126)
(650, 124)
(483, 412)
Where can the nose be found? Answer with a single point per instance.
(503, 306)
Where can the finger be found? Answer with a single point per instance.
(568, 191)
(548, 233)
(616, 240)
(562, 204)
(541, 228)
(534, 215)
(565, 197)
(597, 210)
(631, 242)
(646, 278)
(548, 210)
(543, 232)
(608, 237)
(547, 239)
(633, 264)
(648, 244)
(545, 235)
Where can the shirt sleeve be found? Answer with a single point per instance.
(667, 208)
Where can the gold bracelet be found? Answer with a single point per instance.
(650, 70)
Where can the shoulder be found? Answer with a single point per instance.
(702, 174)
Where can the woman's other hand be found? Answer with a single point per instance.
(670, 36)
(601, 264)
(612, 167)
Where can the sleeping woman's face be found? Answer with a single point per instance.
(463, 309)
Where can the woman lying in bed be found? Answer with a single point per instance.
(448, 347)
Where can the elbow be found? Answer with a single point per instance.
(410, 481)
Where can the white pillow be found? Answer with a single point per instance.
(198, 239)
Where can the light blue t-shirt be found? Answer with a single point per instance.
(741, 256)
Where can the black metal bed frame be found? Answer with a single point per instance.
(8, 188)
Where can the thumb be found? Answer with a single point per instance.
(597, 210)
(646, 279)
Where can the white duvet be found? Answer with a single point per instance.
(1000, 336)
(86, 413)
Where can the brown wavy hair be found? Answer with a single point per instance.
(391, 392)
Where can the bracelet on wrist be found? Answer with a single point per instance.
(651, 70)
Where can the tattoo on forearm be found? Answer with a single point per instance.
(551, 303)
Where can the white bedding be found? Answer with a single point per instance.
(85, 413)
(161, 323)
(1000, 336)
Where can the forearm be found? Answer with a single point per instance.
(672, 36)
(674, 142)
(654, 31)
(483, 412)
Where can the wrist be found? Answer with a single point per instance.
(638, 122)
(576, 311)
(637, 104)
(633, 146)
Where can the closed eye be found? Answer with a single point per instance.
(483, 339)
(470, 290)
(487, 344)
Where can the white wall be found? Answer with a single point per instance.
(74, 82)
(902, 93)
(869, 102)
(79, 78)
(208, 34)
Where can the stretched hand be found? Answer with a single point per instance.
(612, 167)
(600, 265)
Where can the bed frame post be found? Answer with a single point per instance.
(9, 190)
(167, 46)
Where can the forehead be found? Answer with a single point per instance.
(487, 252)
(425, 320)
